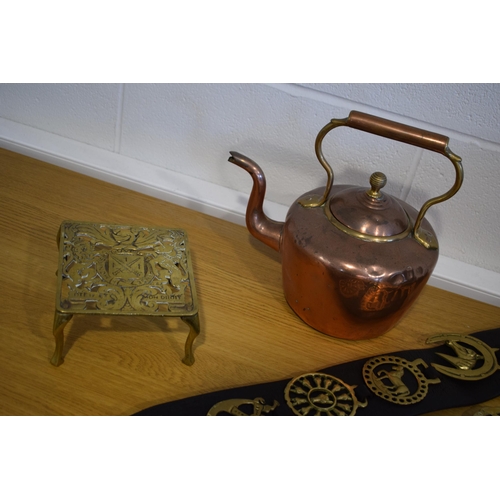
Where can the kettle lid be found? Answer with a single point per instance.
(369, 214)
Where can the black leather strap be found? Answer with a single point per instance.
(449, 393)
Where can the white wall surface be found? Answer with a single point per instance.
(173, 141)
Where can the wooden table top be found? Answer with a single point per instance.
(120, 365)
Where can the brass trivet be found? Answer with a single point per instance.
(116, 269)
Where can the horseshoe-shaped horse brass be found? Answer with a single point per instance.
(466, 359)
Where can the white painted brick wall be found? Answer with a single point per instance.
(84, 112)
(190, 128)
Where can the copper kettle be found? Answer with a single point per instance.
(354, 259)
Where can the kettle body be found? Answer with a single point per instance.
(350, 291)
(354, 259)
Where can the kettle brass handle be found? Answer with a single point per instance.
(398, 132)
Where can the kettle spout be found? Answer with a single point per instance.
(262, 227)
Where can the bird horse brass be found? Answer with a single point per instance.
(475, 362)
(124, 270)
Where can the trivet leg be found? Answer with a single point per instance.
(60, 321)
(194, 329)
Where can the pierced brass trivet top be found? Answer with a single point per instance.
(117, 269)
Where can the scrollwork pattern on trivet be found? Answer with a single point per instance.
(124, 269)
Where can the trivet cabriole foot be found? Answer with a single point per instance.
(124, 270)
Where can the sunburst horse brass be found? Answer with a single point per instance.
(124, 270)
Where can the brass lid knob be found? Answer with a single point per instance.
(377, 181)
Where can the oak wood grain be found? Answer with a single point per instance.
(119, 365)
